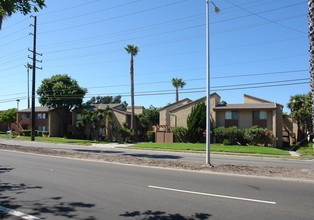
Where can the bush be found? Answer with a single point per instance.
(179, 134)
(39, 133)
(234, 135)
(219, 134)
(151, 136)
(256, 135)
(26, 132)
(126, 134)
(45, 133)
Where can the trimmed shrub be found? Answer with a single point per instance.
(219, 134)
(151, 136)
(234, 135)
(45, 133)
(179, 134)
(26, 132)
(256, 135)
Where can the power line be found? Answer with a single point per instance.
(256, 14)
(168, 93)
(113, 18)
(72, 7)
(91, 12)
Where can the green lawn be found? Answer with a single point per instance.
(55, 139)
(215, 147)
(308, 150)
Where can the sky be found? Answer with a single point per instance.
(257, 47)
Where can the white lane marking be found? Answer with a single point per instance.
(213, 195)
(18, 214)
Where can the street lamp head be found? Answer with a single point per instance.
(217, 10)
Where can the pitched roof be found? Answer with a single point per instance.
(97, 106)
(259, 99)
(190, 103)
(37, 109)
(186, 99)
(247, 106)
(194, 102)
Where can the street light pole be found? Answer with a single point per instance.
(217, 10)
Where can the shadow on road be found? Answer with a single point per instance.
(156, 156)
(5, 169)
(99, 151)
(54, 207)
(158, 215)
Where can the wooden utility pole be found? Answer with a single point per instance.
(34, 75)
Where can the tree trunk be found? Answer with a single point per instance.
(132, 92)
(177, 94)
(311, 38)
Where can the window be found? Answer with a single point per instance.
(257, 115)
(231, 115)
(41, 115)
(78, 117)
(24, 116)
(42, 128)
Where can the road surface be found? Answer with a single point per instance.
(46, 187)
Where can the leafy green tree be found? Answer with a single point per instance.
(301, 110)
(107, 100)
(133, 50)
(177, 83)
(149, 118)
(9, 7)
(9, 116)
(196, 123)
(62, 93)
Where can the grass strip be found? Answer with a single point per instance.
(214, 147)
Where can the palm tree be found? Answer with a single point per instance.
(133, 50)
(177, 83)
(311, 38)
(1, 19)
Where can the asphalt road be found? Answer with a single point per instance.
(57, 188)
(215, 158)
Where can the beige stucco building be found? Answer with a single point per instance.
(253, 111)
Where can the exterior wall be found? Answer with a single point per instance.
(119, 118)
(248, 99)
(214, 101)
(54, 124)
(279, 126)
(179, 118)
(290, 130)
(137, 109)
(245, 119)
(220, 119)
(164, 114)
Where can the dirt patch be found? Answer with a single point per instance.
(294, 173)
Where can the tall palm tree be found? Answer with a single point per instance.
(177, 83)
(1, 19)
(133, 50)
(311, 38)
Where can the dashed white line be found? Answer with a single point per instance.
(213, 195)
(18, 214)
